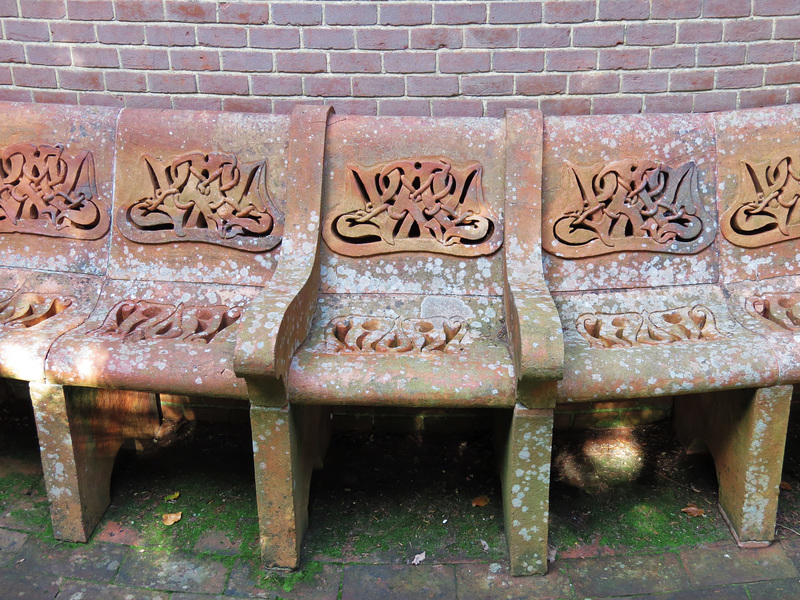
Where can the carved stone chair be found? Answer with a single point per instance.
(632, 260)
(411, 303)
(202, 215)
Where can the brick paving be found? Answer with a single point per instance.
(33, 568)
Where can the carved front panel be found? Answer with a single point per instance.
(424, 204)
(780, 311)
(765, 208)
(46, 191)
(200, 197)
(357, 333)
(27, 309)
(613, 330)
(136, 320)
(628, 205)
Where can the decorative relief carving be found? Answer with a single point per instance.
(204, 198)
(47, 192)
(357, 333)
(427, 204)
(26, 309)
(628, 205)
(136, 320)
(781, 311)
(765, 208)
(611, 330)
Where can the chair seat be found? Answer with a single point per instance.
(405, 351)
(176, 338)
(657, 342)
(35, 309)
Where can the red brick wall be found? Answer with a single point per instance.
(397, 57)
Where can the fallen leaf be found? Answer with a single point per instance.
(552, 552)
(418, 558)
(480, 501)
(692, 510)
(171, 518)
(786, 486)
(172, 496)
(484, 545)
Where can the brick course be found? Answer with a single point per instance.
(448, 57)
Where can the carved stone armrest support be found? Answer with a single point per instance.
(279, 319)
(534, 327)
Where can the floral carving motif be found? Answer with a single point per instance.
(628, 205)
(427, 204)
(781, 311)
(765, 211)
(136, 320)
(26, 309)
(204, 198)
(613, 330)
(357, 333)
(47, 192)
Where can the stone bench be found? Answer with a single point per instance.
(311, 261)
(632, 257)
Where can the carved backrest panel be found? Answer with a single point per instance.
(628, 205)
(423, 204)
(781, 311)
(26, 309)
(611, 330)
(764, 211)
(201, 197)
(357, 333)
(136, 320)
(46, 191)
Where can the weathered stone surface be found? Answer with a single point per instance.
(250, 580)
(627, 575)
(769, 590)
(397, 582)
(57, 175)
(10, 544)
(97, 562)
(19, 581)
(628, 201)
(493, 581)
(729, 564)
(82, 590)
(172, 572)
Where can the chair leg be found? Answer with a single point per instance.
(746, 434)
(287, 446)
(80, 432)
(526, 489)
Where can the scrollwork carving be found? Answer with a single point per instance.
(209, 198)
(27, 309)
(628, 205)
(425, 204)
(45, 191)
(781, 311)
(136, 320)
(614, 330)
(765, 210)
(358, 333)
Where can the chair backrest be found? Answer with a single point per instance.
(629, 202)
(199, 196)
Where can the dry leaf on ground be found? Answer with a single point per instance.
(172, 496)
(692, 510)
(171, 518)
(480, 501)
(786, 486)
(418, 558)
(484, 545)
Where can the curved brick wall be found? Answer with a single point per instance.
(411, 58)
